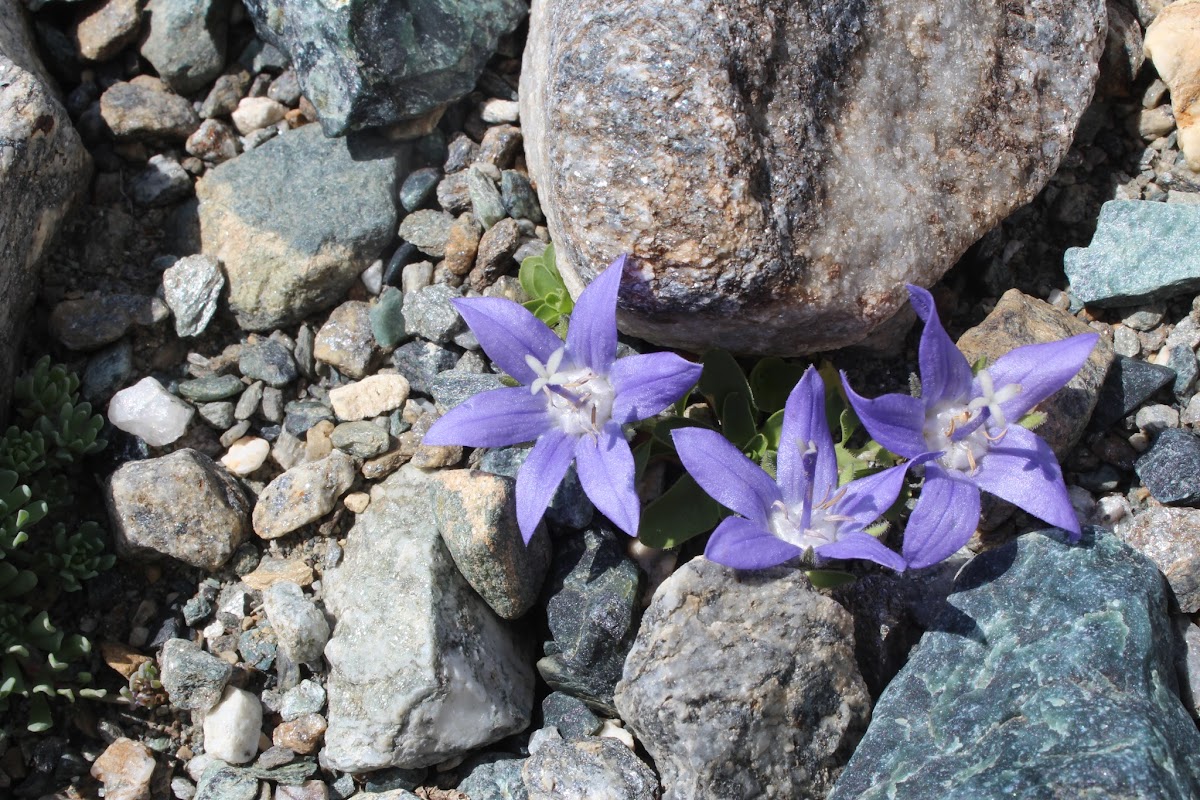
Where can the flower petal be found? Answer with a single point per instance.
(896, 421)
(729, 477)
(540, 476)
(592, 333)
(507, 332)
(864, 546)
(945, 373)
(1040, 370)
(605, 466)
(495, 418)
(867, 498)
(804, 422)
(1023, 470)
(647, 384)
(741, 544)
(946, 515)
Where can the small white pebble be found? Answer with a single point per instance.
(372, 277)
(1111, 509)
(497, 110)
(246, 455)
(233, 726)
(613, 730)
(254, 113)
(357, 501)
(149, 411)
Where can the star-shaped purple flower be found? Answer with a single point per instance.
(804, 509)
(968, 422)
(575, 399)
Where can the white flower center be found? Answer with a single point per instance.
(945, 422)
(579, 400)
(788, 523)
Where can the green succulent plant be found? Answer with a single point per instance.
(549, 299)
(45, 549)
(145, 689)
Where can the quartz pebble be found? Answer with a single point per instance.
(125, 769)
(373, 396)
(254, 113)
(246, 455)
(233, 727)
(149, 411)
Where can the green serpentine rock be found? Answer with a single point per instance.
(1049, 674)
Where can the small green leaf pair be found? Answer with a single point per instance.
(549, 299)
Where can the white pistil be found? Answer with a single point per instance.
(547, 374)
(963, 453)
(579, 400)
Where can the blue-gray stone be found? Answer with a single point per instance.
(569, 508)
(194, 679)
(429, 230)
(1141, 251)
(592, 610)
(211, 388)
(223, 782)
(1050, 673)
(430, 314)
(372, 63)
(268, 361)
(1183, 360)
(421, 362)
(1170, 469)
(300, 415)
(570, 715)
(419, 187)
(393, 778)
(453, 387)
(520, 201)
(387, 318)
(594, 767)
(257, 647)
(107, 371)
(486, 202)
(219, 415)
(1129, 383)
(185, 41)
(494, 777)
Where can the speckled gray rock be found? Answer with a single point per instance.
(428, 230)
(1170, 469)
(569, 715)
(301, 630)
(191, 287)
(1050, 674)
(1141, 251)
(781, 703)
(181, 505)
(295, 221)
(137, 112)
(362, 439)
(87, 324)
(268, 361)
(219, 781)
(370, 63)
(455, 386)
(476, 513)
(185, 41)
(421, 670)
(1170, 537)
(589, 769)
(163, 182)
(780, 204)
(592, 610)
(303, 494)
(42, 162)
(1129, 383)
(211, 388)
(194, 679)
(494, 777)
(421, 362)
(345, 341)
(430, 314)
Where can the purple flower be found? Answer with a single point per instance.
(575, 398)
(804, 509)
(967, 421)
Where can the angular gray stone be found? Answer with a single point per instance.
(494, 777)
(268, 361)
(96, 321)
(345, 341)
(1050, 674)
(181, 505)
(371, 63)
(1170, 469)
(1141, 251)
(476, 514)
(295, 221)
(185, 41)
(194, 679)
(362, 439)
(428, 230)
(588, 769)
(569, 507)
(421, 362)
(779, 204)
(301, 630)
(454, 386)
(592, 611)
(421, 670)
(781, 703)
(191, 287)
(303, 494)
(430, 314)
(1170, 537)
(44, 169)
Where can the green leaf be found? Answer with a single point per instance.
(772, 380)
(681, 513)
(980, 365)
(1033, 420)
(39, 715)
(769, 463)
(756, 448)
(721, 376)
(641, 457)
(828, 578)
(737, 419)
(773, 430)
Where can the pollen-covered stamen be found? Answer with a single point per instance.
(579, 400)
(805, 524)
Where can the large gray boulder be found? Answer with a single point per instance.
(370, 63)
(421, 669)
(43, 170)
(779, 169)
